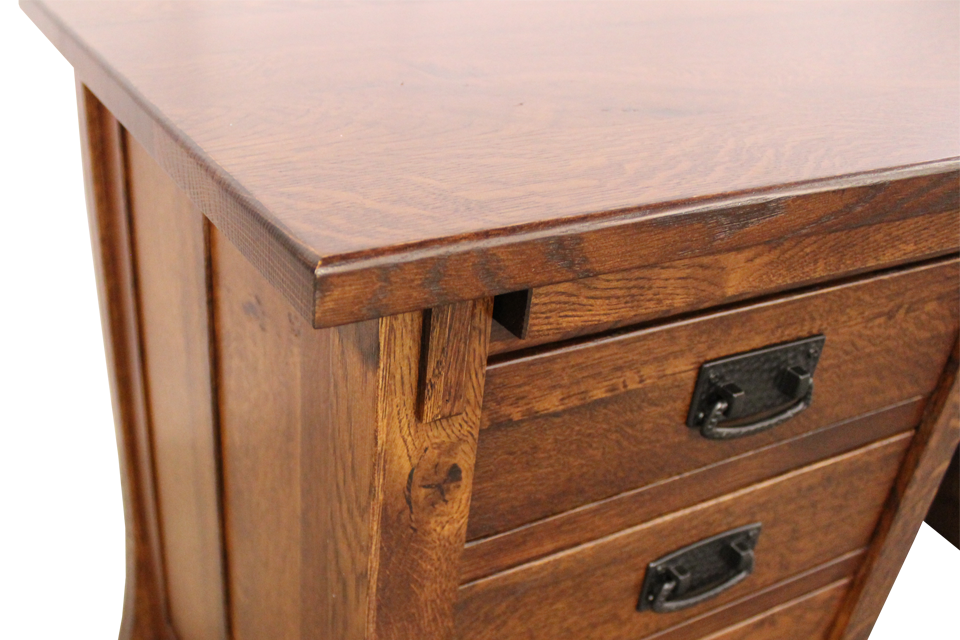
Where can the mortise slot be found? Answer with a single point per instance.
(512, 311)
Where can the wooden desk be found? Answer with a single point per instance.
(406, 306)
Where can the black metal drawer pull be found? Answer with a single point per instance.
(751, 392)
(700, 571)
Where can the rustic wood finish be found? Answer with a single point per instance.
(596, 586)
(346, 516)
(489, 555)
(298, 414)
(145, 613)
(425, 476)
(570, 309)
(578, 373)
(170, 246)
(923, 468)
(404, 304)
(445, 169)
(805, 618)
(613, 411)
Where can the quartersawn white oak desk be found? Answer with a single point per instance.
(525, 320)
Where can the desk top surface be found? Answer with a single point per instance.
(371, 132)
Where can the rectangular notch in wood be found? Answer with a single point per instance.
(443, 361)
(512, 311)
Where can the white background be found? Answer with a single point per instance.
(61, 519)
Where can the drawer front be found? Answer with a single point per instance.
(809, 517)
(573, 426)
(491, 555)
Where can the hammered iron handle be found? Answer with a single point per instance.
(747, 393)
(739, 571)
(711, 426)
(699, 572)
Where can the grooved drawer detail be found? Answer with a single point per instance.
(809, 517)
(575, 425)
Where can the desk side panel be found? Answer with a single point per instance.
(298, 411)
(170, 249)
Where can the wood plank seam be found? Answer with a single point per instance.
(218, 440)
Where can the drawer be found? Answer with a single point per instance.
(496, 553)
(809, 517)
(669, 287)
(587, 422)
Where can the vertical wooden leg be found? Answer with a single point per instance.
(925, 463)
(144, 607)
(425, 475)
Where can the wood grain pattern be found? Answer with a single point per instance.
(581, 423)
(443, 361)
(425, 479)
(596, 586)
(577, 373)
(805, 618)
(944, 514)
(145, 614)
(589, 305)
(492, 554)
(923, 468)
(591, 139)
(755, 605)
(345, 515)
(298, 421)
(170, 245)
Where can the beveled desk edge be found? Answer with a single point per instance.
(365, 285)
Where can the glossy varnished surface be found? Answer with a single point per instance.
(348, 147)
